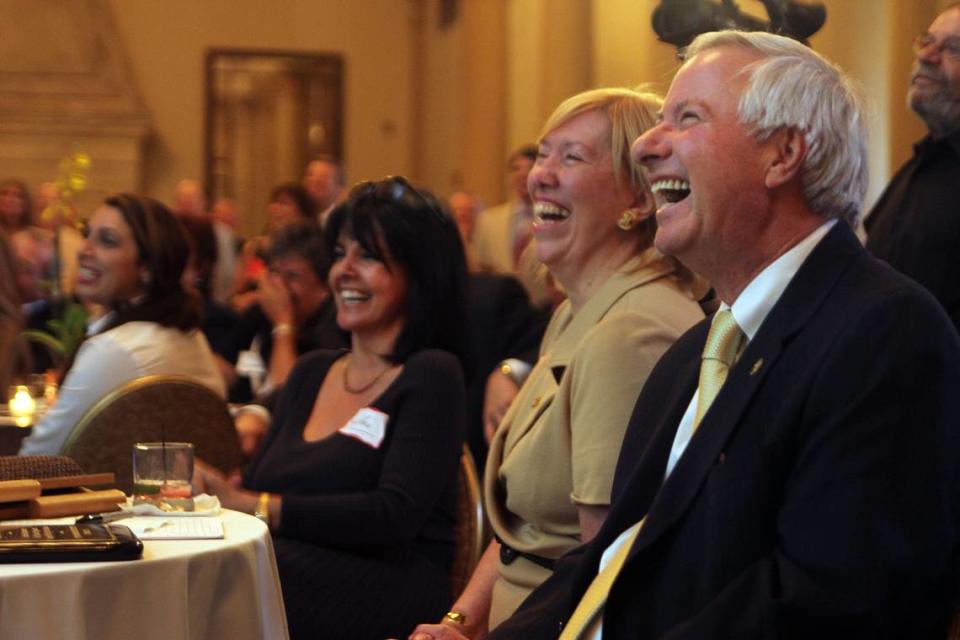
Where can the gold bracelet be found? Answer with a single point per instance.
(456, 617)
(263, 509)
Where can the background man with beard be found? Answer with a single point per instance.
(915, 226)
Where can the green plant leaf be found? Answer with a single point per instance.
(64, 334)
(44, 338)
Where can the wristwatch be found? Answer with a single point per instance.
(516, 370)
(282, 329)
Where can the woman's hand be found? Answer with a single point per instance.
(251, 427)
(207, 479)
(443, 631)
(500, 392)
(275, 300)
(241, 301)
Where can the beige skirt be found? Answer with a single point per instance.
(515, 583)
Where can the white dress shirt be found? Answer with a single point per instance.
(110, 359)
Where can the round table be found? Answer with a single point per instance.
(189, 589)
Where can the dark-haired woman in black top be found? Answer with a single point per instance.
(358, 474)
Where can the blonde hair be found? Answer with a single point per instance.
(630, 112)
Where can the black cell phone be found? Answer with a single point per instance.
(68, 543)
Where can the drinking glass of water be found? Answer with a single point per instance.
(162, 473)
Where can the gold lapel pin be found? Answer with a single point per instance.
(536, 402)
(756, 366)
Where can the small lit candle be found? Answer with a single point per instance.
(22, 405)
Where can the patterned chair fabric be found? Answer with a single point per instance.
(469, 528)
(37, 467)
(153, 409)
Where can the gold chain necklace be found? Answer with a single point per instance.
(366, 387)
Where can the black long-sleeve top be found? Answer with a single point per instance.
(915, 226)
(340, 492)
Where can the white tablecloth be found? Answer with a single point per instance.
(181, 589)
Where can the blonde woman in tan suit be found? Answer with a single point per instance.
(550, 468)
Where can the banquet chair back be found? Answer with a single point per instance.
(469, 528)
(37, 467)
(153, 409)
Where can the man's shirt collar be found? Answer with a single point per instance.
(754, 303)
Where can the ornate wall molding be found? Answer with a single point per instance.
(65, 82)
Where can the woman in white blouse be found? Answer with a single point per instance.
(132, 264)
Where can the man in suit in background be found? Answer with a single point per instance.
(465, 206)
(502, 233)
(190, 200)
(324, 182)
(790, 470)
(915, 226)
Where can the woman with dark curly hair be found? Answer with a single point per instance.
(131, 264)
(357, 477)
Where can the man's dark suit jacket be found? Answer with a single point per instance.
(818, 497)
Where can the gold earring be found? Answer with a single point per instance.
(629, 218)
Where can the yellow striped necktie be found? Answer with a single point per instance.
(587, 613)
(719, 353)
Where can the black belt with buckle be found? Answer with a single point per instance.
(508, 554)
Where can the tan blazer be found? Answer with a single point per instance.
(558, 444)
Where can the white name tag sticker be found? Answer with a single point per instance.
(369, 426)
